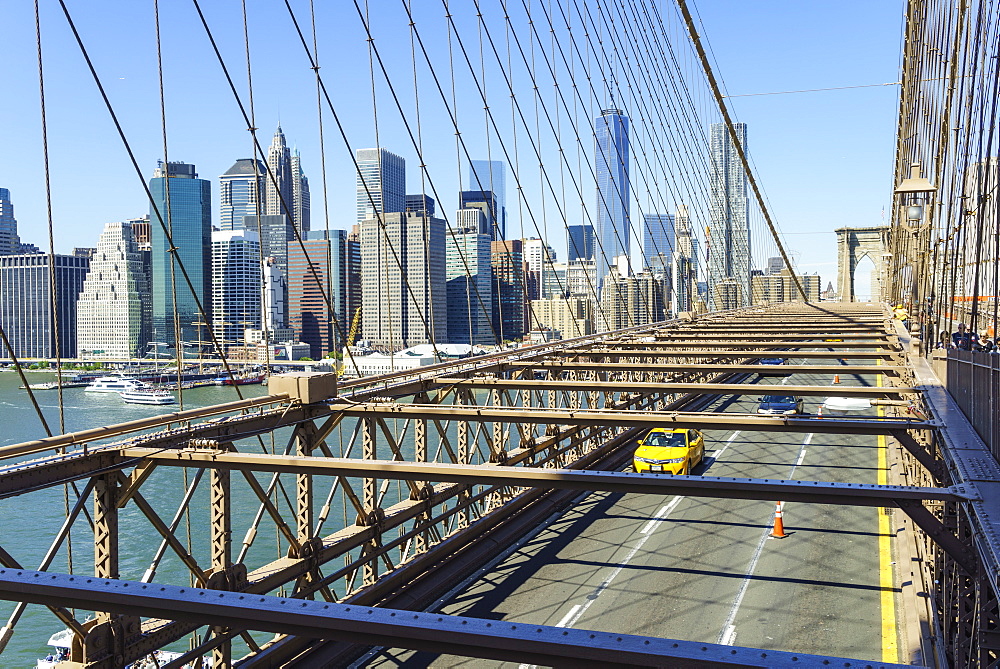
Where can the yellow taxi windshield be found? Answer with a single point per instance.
(665, 439)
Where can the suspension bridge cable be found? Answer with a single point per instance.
(738, 146)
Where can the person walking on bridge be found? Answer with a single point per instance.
(965, 340)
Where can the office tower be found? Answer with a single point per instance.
(486, 202)
(729, 231)
(300, 196)
(775, 265)
(278, 181)
(275, 290)
(420, 204)
(241, 193)
(537, 253)
(320, 266)
(659, 240)
(579, 242)
(507, 260)
(403, 287)
(491, 175)
(381, 185)
(85, 252)
(276, 235)
(571, 316)
(26, 312)
(633, 300)
(780, 287)
(684, 272)
(683, 287)
(110, 307)
(142, 233)
(140, 230)
(236, 293)
(187, 214)
(538, 256)
(612, 228)
(470, 281)
(9, 241)
(581, 278)
(353, 308)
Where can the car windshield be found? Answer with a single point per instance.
(778, 399)
(665, 439)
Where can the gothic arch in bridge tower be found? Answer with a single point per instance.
(853, 245)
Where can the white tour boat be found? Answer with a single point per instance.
(63, 641)
(148, 396)
(114, 384)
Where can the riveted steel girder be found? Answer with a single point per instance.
(670, 387)
(557, 366)
(599, 417)
(850, 494)
(756, 353)
(696, 342)
(471, 637)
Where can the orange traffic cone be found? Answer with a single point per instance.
(836, 378)
(778, 531)
(819, 412)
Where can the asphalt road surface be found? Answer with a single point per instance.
(705, 569)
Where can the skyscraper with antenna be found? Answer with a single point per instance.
(611, 224)
(286, 187)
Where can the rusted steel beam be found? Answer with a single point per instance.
(818, 492)
(741, 335)
(734, 345)
(111, 431)
(787, 328)
(433, 632)
(602, 417)
(706, 367)
(755, 353)
(25, 477)
(671, 387)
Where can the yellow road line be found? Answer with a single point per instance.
(890, 649)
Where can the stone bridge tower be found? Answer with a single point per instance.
(853, 244)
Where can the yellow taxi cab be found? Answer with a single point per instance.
(833, 339)
(671, 451)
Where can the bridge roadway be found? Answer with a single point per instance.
(705, 569)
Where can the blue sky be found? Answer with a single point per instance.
(823, 158)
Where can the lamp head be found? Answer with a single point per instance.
(915, 183)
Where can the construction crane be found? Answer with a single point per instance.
(355, 322)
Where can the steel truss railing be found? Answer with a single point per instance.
(481, 446)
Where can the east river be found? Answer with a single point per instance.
(29, 522)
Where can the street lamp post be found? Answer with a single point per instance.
(913, 192)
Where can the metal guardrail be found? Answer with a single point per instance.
(974, 382)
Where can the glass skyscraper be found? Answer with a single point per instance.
(187, 214)
(729, 230)
(26, 312)
(236, 277)
(487, 202)
(9, 242)
(612, 227)
(659, 240)
(241, 191)
(579, 242)
(381, 186)
(469, 277)
(325, 256)
(491, 175)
